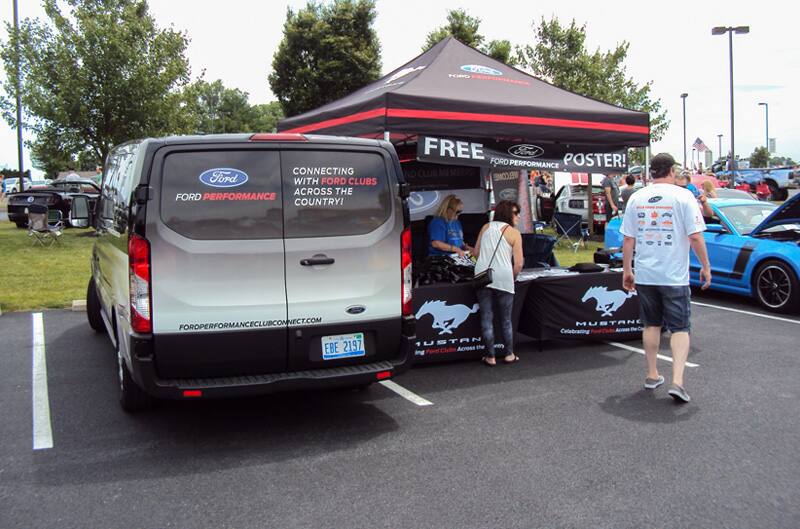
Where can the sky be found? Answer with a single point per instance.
(235, 40)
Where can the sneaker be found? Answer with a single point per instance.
(653, 383)
(679, 394)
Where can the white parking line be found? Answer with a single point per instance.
(641, 352)
(42, 430)
(778, 318)
(403, 392)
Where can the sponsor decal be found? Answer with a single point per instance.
(223, 177)
(508, 194)
(608, 301)
(421, 201)
(641, 214)
(30, 200)
(525, 150)
(403, 73)
(251, 324)
(446, 317)
(650, 243)
(477, 68)
(655, 199)
(210, 197)
(654, 215)
(666, 214)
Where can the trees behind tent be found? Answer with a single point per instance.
(327, 52)
(465, 29)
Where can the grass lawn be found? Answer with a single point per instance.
(34, 277)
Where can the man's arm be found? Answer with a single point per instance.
(609, 198)
(628, 279)
(698, 244)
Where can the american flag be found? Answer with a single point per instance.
(700, 146)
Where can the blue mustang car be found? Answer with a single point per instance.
(753, 247)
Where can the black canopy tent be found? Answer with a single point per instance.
(454, 90)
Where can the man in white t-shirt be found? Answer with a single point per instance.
(661, 222)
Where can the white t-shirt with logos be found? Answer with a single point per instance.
(661, 217)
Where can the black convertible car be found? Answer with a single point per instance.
(58, 195)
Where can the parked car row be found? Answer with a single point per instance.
(57, 195)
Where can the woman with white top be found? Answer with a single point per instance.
(498, 242)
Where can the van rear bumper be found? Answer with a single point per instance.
(143, 372)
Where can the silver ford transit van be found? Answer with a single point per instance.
(241, 264)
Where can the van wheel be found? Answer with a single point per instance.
(93, 308)
(131, 397)
(776, 287)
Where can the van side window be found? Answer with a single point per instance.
(334, 193)
(223, 194)
(109, 182)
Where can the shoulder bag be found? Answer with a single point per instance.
(484, 279)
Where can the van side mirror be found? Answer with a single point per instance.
(79, 211)
(716, 228)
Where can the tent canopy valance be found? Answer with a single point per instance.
(454, 90)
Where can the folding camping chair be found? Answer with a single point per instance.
(569, 230)
(44, 225)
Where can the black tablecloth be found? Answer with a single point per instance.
(448, 322)
(590, 306)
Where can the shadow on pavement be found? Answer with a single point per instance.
(648, 406)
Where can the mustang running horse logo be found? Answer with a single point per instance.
(608, 301)
(446, 317)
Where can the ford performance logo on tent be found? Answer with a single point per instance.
(223, 177)
(477, 68)
(525, 150)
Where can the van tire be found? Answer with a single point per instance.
(131, 397)
(93, 308)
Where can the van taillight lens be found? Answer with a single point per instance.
(266, 136)
(139, 261)
(405, 265)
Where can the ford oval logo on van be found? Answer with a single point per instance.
(477, 68)
(223, 177)
(525, 150)
(356, 309)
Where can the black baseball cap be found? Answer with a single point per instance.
(660, 163)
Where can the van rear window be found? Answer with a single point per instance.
(332, 193)
(223, 194)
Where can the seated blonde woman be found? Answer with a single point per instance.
(445, 233)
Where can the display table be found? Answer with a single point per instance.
(448, 323)
(589, 306)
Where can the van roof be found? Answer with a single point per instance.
(240, 138)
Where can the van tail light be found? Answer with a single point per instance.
(267, 136)
(405, 266)
(139, 261)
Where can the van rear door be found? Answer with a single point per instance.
(343, 244)
(219, 300)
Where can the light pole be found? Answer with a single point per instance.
(730, 30)
(766, 138)
(683, 97)
(19, 98)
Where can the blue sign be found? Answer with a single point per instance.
(223, 177)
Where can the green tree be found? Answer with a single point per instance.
(465, 29)
(778, 161)
(559, 56)
(211, 108)
(327, 52)
(267, 116)
(760, 157)
(96, 75)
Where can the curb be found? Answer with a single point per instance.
(78, 305)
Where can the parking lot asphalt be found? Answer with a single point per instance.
(565, 438)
